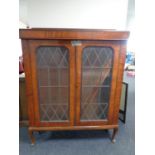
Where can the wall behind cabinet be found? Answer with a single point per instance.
(104, 14)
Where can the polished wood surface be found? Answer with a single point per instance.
(119, 82)
(80, 34)
(28, 77)
(70, 128)
(34, 38)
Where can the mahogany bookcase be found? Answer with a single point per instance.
(73, 78)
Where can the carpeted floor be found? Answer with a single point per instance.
(86, 142)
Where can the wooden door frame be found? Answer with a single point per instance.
(79, 49)
(28, 77)
(33, 45)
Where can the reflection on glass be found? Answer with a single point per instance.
(96, 82)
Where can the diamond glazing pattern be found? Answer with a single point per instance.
(52, 69)
(96, 82)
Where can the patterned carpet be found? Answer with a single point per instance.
(86, 142)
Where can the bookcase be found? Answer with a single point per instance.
(73, 78)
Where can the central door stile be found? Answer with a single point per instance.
(72, 84)
(78, 83)
(76, 44)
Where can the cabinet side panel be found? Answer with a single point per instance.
(119, 82)
(27, 69)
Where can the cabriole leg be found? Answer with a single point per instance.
(31, 137)
(114, 134)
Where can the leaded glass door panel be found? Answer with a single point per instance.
(96, 78)
(53, 82)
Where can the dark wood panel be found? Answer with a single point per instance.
(73, 128)
(28, 77)
(122, 57)
(80, 34)
(23, 109)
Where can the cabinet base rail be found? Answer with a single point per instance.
(72, 128)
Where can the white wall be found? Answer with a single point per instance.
(23, 6)
(104, 14)
(130, 25)
(130, 14)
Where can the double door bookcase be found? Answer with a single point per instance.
(73, 78)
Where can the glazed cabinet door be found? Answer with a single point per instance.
(52, 67)
(96, 66)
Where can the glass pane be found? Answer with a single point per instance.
(53, 85)
(96, 82)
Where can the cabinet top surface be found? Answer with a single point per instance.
(72, 34)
